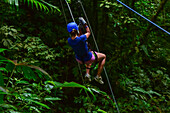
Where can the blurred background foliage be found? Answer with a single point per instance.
(33, 35)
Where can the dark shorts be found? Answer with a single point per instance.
(90, 61)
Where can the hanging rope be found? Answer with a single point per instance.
(79, 1)
(143, 17)
(63, 12)
(98, 51)
(96, 48)
(70, 10)
(66, 25)
(77, 62)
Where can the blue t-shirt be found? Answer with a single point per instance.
(80, 48)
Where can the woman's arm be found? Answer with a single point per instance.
(87, 31)
(83, 22)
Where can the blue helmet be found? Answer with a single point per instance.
(72, 26)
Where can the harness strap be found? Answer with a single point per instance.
(96, 58)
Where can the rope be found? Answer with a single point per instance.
(81, 73)
(143, 17)
(79, 1)
(63, 12)
(77, 62)
(66, 25)
(98, 51)
(70, 10)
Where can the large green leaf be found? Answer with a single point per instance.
(52, 98)
(71, 84)
(22, 82)
(2, 49)
(3, 59)
(28, 72)
(9, 66)
(8, 106)
(52, 6)
(39, 103)
(39, 4)
(101, 111)
(36, 109)
(103, 93)
(3, 69)
(146, 92)
(40, 69)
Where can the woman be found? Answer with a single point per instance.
(78, 42)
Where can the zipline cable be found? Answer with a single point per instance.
(77, 62)
(70, 10)
(143, 17)
(98, 51)
(63, 12)
(66, 25)
(79, 1)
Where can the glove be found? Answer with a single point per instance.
(82, 21)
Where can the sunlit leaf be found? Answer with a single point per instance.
(38, 3)
(3, 69)
(52, 98)
(8, 106)
(154, 92)
(2, 49)
(52, 6)
(101, 111)
(39, 103)
(71, 84)
(22, 82)
(36, 109)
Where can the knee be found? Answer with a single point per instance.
(104, 56)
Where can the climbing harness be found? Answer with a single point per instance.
(143, 17)
(95, 62)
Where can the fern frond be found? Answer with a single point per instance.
(39, 4)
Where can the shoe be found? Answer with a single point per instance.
(87, 76)
(99, 80)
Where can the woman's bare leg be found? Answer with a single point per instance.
(101, 60)
(87, 75)
(88, 66)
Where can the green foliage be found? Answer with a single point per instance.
(71, 84)
(8, 34)
(137, 62)
(28, 97)
(39, 4)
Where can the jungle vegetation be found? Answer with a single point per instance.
(38, 71)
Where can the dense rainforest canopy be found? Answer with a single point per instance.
(38, 71)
